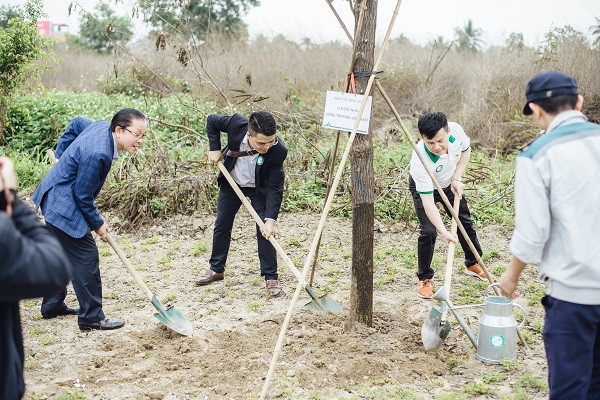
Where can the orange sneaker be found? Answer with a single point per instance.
(425, 289)
(476, 270)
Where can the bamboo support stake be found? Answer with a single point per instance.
(336, 182)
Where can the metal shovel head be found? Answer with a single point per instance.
(433, 332)
(324, 303)
(172, 318)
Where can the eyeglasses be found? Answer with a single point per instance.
(137, 135)
(265, 144)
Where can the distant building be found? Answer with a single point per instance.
(53, 31)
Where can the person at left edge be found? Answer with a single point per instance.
(32, 264)
(66, 196)
(254, 156)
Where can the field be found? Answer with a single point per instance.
(161, 207)
(236, 326)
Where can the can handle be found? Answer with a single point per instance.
(493, 284)
(524, 315)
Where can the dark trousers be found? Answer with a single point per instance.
(426, 242)
(85, 275)
(572, 340)
(227, 207)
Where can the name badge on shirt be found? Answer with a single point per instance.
(260, 160)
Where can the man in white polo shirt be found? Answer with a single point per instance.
(446, 149)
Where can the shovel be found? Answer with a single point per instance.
(171, 317)
(436, 327)
(318, 304)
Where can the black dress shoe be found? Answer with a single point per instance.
(64, 311)
(105, 324)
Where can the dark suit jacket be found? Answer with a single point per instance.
(269, 175)
(32, 264)
(67, 192)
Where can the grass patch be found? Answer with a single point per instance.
(169, 298)
(470, 292)
(198, 248)
(537, 326)
(455, 361)
(493, 377)
(332, 270)
(530, 383)
(31, 363)
(293, 242)
(34, 330)
(511, 365)
(152, 239)
(46, 340)
(165, 263)
(477, 388)
(74, 394)
(255, 305)
(450, 396)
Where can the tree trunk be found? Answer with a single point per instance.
(363, 181)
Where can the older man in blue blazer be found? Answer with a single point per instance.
(66, 196)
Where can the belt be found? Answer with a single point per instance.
(231, 153)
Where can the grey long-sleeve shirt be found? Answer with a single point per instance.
(557, 208)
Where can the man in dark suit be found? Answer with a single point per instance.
(32, 264)
(254, 156)
(66, 196)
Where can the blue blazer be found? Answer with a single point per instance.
(66, 194)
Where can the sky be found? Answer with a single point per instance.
(419, 20)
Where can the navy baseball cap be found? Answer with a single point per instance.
(548, 84)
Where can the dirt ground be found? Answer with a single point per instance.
(236, 326)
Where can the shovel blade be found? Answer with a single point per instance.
(433, 332)
(321, 304)
(324, 303)
(172, 318)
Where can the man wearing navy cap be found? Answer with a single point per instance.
(557, 226)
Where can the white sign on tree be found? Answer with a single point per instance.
(341, 110)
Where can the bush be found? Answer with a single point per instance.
(35, 122)
(174, 176)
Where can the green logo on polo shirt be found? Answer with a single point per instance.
(260, 160)
(439, 168)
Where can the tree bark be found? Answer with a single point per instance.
(363, 181)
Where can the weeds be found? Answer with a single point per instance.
(74, 394)
(198, 248)
(529, 382)
(255, 305)
(477, 388)
(169, 298)
(455, 361)
(46, 340)
(450, 396)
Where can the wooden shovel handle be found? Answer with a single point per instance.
(450, 259)
(128, 265)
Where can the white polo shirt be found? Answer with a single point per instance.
(443, 166)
